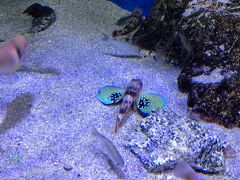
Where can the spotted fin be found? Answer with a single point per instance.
(148, 102)
(110, 94)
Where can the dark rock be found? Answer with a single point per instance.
(159, 26)
(43, 17)
(165, 138)
(201, 38)
(132, 23)
(220, 101)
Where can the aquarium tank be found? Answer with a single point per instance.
(102, 90)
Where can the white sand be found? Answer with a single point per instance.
(58, 130)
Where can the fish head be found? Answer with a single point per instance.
(9, 59)
(20, 43)
(137, 83)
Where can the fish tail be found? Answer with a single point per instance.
(119, 121)
(95, 131)
(105, 36)
(117, 124)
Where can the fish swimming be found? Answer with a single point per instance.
(110, 150)
(124, 56)
(39, 69)
(132, 22)
(144, 103)
(43, 17)
(114, 167)
(122, 21)
(10, 54)
(126, 49)
(123, 48)
(132, 92)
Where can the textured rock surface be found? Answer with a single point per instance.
(165, 137)
(202, 37)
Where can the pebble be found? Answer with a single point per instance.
(67, 167)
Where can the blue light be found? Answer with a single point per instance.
(129, 5)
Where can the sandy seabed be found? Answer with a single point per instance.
(56, 133)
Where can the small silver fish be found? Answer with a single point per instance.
(110, 150)
(124, 56)
(124, 48)
(39, 69)
(132, 92)
(114, 167)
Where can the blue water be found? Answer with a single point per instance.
(129, 5)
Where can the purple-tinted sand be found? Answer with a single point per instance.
(54, 141)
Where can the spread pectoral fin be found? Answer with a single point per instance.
(110, 94)
(148, 102)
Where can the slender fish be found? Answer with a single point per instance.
(124, 48)
(110, 150)
(115, 167)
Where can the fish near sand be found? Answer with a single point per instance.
(185, 171)
(114, 166)
(43, 17)
(145, 103)
(132, 92)
(110, 150)
(124, 49)
(11, 53)
(36, 68)
(122, 21)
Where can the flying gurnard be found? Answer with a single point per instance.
(144, 103)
